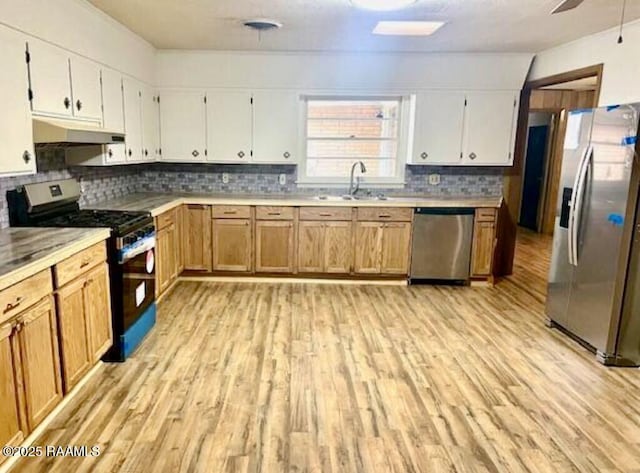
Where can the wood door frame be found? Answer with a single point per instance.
(513, 177)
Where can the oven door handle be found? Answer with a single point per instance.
(142, 246)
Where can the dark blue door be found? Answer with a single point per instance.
(533, 176)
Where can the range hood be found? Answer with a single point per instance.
(49, 132)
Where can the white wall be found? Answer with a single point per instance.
(621, 78)
(79, 27)
(341, 71)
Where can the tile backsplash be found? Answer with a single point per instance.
(104, 183)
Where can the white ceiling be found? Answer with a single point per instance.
(335, 25)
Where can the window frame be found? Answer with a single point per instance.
(403, 150)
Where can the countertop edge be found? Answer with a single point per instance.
(34, 267)
(406, 202)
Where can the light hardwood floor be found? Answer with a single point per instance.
(292, 377)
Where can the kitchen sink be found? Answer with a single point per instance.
(335, 198)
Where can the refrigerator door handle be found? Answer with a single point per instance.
(570, 225)
(576, 207)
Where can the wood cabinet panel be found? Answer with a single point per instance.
(79, 263)
(384, 214)
(338, 257)
(98, 311)
(197, 255)
(326, 213)
(231, 211)
(11, 427)
(180, 239)
(274, 246)
(166, 264)
(275, 213)
(40, 360)
(27, 292)
(311, 247)
(396, 244)
(232, 245)
(74, 332)
(484, 240)
(368, 247)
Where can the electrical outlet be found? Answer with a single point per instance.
(225, 178)
(282, 179)
(434, 179)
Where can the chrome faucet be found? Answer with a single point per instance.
(354, 188)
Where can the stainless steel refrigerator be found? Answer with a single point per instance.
(592, 275)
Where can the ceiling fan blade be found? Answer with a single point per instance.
(566, 5)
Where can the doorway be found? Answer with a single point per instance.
(536, 160)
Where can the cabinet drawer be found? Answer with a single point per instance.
(384, 214)
(20, 296)
(165, 219)
(486, 215)
(325, 213)
(231, 211)
(274, 213)
(79, 263)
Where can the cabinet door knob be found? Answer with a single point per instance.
(79, 105)
(146, 152)
(286, 155)
(26, 156)
(130, 153)
(67, 103)
(195, 153)
(473, 156)
(424, 155)
(110, 153)
(241, 154)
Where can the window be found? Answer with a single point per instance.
(343, 130)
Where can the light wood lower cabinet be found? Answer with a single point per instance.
(40, 361)
(166, 264)
(84, 317)
(382, 248)
(12, 430)
(232, 245)
(324, 247)
(484, 243)
(275, 246)
(180, 212)
(197, 238)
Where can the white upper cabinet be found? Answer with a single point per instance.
(113, 114)
(438, 128)
(85, 89)
(275, 127)
(183, 130)
(229, 126)
(132, 97)
(49, 80)
(150, 125)
(17, 156)
(489, 131)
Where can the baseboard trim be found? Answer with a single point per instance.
(38, 431)
(275, 280)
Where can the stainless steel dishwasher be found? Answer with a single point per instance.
(441, 246)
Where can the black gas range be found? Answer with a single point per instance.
(130, 252)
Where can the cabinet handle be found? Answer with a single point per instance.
(195, 153)
(110, 153)
(146, 152)
(88, 282)
(79, 105)
(286, 155)
(325, 215)
(274, 213)
(67, 103)
(12, 305)
(26, 156)
(85, 262)
(424, 155)
(384, 216)
(129, 153)
(230, 212)
(241, 154)
(19, 326)
(473, 156)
